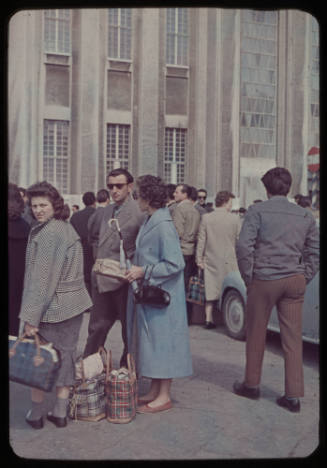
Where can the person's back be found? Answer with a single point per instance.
(187, 219)
(285, 229)
(79, 221)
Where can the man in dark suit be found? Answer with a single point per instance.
(79, 221)
(109, 294)
(94, 222)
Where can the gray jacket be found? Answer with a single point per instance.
(187, 221)
(278, 239)
(54, 288)
(130, 219)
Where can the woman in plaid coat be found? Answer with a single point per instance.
(162, 336)
(54, 295)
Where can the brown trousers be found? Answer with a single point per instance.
(288, 296)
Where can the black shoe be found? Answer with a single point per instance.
(242, 390)
(59, 422)
(36, 424)
(209, 325)
(291, 405)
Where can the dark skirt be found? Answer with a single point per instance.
(64, 337)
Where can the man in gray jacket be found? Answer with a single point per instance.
(110, 294)
(278, 254)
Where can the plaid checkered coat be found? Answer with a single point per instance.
(54, 288)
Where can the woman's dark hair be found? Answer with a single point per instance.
(121, 171)
(44, 189)
(153, 190)
(15, 202)
(277, 181)
(223, 197)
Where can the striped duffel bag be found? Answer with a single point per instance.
(87, 399)
(121, 392)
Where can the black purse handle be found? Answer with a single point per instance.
(144, 280)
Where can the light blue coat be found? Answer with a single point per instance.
(162, 334)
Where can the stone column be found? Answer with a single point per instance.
(148, 91)
(24, 53)
(196, 167)
(86, 106)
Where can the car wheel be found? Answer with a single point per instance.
(234, 314)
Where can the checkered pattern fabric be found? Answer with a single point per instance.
(121, 399)
(196, 292)
(87, 399)
(24, 370)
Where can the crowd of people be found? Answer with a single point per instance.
(169, 233)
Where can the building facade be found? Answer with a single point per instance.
(206, 96)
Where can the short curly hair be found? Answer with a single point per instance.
(153, 190)
(45, 189)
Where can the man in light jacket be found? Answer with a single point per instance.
(278, 254)
(187, 220)
(110, 294)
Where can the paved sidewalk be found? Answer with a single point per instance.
(208, 420)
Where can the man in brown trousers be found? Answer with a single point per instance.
(277, 254)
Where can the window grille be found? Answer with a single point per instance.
(57, 34)
(117, 153)
(119, 33)
(55, 154)
(315, 112)
(258, 100)
(177, 36)
(174, 161)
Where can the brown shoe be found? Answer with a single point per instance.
(146, 409)
(242, 390)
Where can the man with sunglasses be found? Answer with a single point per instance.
(109, 295)
(201, 203)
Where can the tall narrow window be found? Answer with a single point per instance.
(57, 35)
(117, 154)
(258, 83)
(177, 36)
(55, 154)
(119, 33)
(174, 162)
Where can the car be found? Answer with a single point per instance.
(232, 305)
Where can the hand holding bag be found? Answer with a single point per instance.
(196, 291)
(151, 295)
(109, 266)
(32, 363)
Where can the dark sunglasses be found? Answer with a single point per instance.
(119, 186)
(202, 198)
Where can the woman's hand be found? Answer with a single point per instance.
(134, 273)
(30, 330)
(200, 265)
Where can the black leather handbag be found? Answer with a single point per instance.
(151, 295)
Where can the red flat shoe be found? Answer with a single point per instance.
(146, 409)
(141, 402)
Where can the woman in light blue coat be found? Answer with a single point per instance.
(163, 350)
